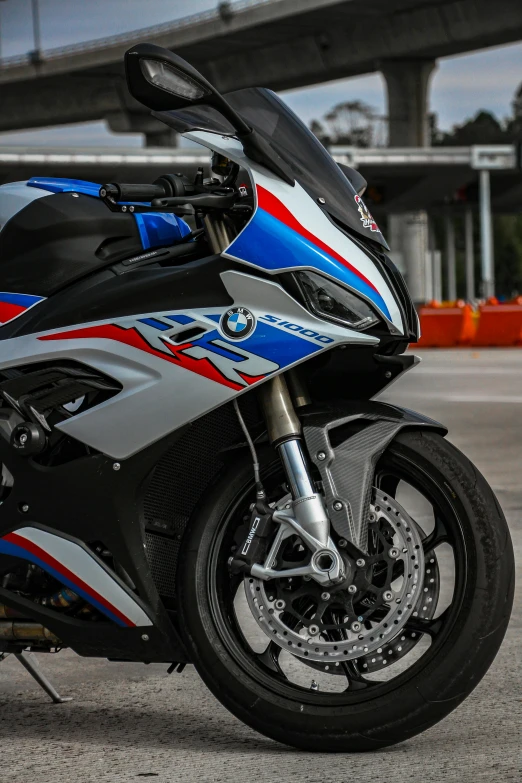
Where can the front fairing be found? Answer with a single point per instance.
(289, 231)
(289, 138)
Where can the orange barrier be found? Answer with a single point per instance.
(499, 324)
(448, 325)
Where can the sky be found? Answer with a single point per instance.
(459, 88)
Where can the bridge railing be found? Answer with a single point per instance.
(134, 36)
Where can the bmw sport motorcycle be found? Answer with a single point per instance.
(194, 469)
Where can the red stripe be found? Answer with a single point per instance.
(9, 311)
(41, 554)
(131, 337)
(277, 209)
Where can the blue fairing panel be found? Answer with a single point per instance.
(270, 244)
(61, 185)
(156, 229)
(160, 228)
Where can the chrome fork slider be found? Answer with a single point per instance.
(307, 515)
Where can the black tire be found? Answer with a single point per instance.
(455, 663)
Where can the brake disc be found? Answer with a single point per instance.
(342, 624)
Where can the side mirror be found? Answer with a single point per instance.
(162, 81)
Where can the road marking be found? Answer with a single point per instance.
(478, 398)
(465, 371)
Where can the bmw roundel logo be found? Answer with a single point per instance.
(237, 323)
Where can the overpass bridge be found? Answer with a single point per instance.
(281, 44)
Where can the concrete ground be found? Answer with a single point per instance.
(130, 721)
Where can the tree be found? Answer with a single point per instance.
(353, 123)
(484, 128)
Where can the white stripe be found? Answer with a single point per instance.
(86, 568)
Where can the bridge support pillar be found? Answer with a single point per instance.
(156, 133)
(407, 83)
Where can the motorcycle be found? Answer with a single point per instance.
(194, 467)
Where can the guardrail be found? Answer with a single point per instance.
(496, 156)
(136, 35)
(502, 156)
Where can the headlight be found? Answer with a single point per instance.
(329, 300)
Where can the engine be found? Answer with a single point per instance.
(36, 399)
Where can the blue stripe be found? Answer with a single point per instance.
(23, 300)
(279, 345)
(156, 324)
(204, 342)
(268, 243)
(181, 319)
(14, 550)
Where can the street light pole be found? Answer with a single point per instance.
(470, 260)
(1, 33)
(486, 235)
(36, 54)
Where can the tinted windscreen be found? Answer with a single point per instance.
(311, 164)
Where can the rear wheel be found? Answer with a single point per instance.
(333, 671)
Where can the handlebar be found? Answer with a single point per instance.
(169, 191)
(168, 185)
(129, 192)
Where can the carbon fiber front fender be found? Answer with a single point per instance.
(345, 442)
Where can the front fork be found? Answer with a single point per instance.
(307, 516)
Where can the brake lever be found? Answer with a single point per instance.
(210, 200)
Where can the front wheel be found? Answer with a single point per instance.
(328, 672)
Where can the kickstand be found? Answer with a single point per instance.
(30, 663)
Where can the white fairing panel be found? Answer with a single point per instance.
(74, 566)
(169, 380)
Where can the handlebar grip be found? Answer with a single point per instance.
(130, 192)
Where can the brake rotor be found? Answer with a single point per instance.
(336, 625)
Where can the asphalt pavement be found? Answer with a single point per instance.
(130, 721)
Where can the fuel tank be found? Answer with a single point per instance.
(54, 232)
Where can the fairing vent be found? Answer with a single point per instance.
(162, 555)
(41, 392)
(179, 481)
